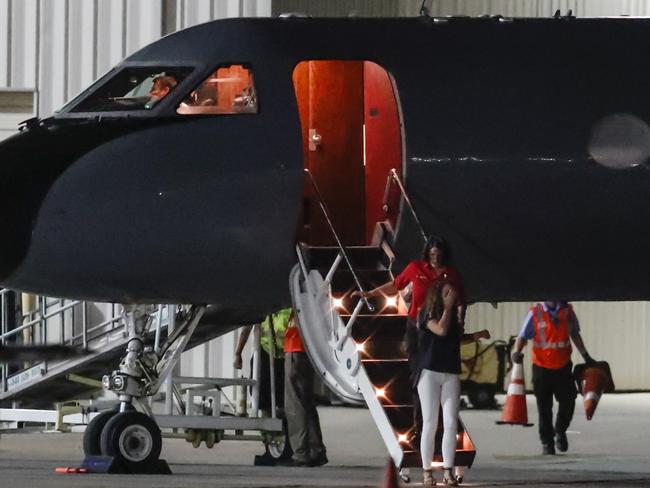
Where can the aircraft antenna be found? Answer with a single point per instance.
(424, 11)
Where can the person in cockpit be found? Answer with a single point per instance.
(160, 88)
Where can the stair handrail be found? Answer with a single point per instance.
(342, 249)
(393, 176)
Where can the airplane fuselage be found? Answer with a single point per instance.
(497, 119)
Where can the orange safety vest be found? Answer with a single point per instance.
(551, 344)
(292, 340)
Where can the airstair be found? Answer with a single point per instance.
(357, 345)
(78, 324)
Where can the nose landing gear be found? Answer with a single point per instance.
(124, 440)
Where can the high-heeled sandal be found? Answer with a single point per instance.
(427, 478)
(448, 477)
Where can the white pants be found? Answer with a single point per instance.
(436, 389)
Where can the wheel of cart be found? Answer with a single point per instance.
(133, 439)
(277, 446)
(459, 473)
(481, 395)
(404, 475)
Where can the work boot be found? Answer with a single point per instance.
(319, 461)
(548, 449)
(561, 442)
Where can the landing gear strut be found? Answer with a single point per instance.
(124, 439)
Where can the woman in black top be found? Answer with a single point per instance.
(438, 370)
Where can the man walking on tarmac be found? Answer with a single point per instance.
(552, 325)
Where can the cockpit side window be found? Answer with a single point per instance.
(136, 88)
(228, 90)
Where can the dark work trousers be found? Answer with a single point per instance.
(265, 381)
(411, 340)
(546, 384)
(303, 424)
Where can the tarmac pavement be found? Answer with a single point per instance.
(612, 450)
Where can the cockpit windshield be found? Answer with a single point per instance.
(132, 89)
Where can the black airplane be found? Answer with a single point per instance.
(509, 135)
(179, 176)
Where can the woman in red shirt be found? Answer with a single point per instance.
(421, 273)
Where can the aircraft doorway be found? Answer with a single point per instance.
(351, 137)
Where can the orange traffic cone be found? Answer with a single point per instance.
(515, 411)
(593, 380)
(390, 476)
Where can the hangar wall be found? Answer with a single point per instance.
(617, 332)
(519, 8)
(54, 48)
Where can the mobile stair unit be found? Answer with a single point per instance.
(357, 345)
(38, 384)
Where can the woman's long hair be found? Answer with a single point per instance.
(433, 304)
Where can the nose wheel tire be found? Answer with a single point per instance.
(133, 439)
(93, 432)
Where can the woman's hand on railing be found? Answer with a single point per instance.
(482, 334)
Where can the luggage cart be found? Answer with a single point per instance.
(484, 367)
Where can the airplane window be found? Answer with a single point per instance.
(228, 90)
(133, 89)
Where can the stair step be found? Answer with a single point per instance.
(381, 335)
(375, 327)
(343, 281)
(411, 459)
(393, 377)
(400, 417)
(348, 303)
(383, 350)
(362, 257)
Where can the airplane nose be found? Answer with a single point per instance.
(30, 161)
(19, 196)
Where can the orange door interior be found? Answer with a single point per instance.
(351, 138)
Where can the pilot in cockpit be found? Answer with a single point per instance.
(160, 87)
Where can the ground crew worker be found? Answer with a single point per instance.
(552, 325)
(303, 423)
(271, 341)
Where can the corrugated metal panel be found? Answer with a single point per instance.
(54, 56)
(513, 8)
(143, 23)
(109, 44)
(23, 43)
(82, 44)
(527, 8)
(5, 37)
(193, 12)
(15, 106)
(338, 8)
(614, 332)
